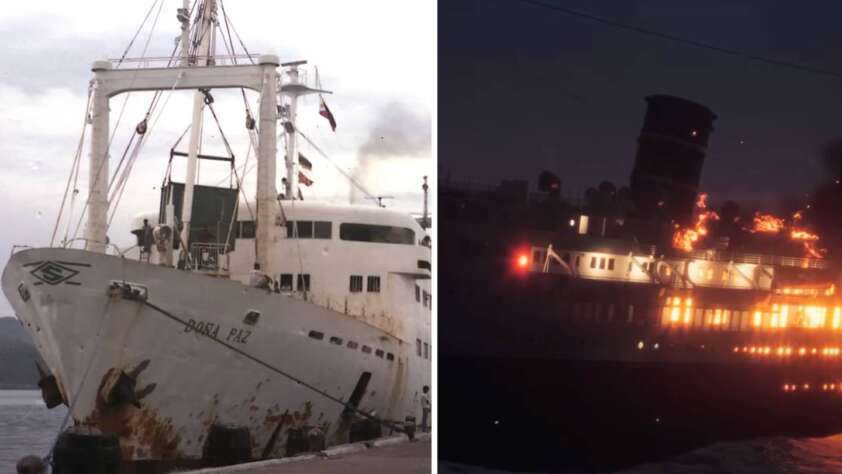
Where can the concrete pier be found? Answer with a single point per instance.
(383, 456)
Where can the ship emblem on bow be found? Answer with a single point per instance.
(53, 273)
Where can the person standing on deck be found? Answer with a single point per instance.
(425, 408)
(146, 241)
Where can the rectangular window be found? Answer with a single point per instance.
(426, 351)
(379, 353)
(366, 350)
(426, 298)
(610, 263)
(602, 264)
(417, 293)
(373, 284)
(286, 282)
(425, 265)
(376, 233)
(418, 346)
(322, 230)
(593, 262)
(356, 283)
(390, 356)
(317, 335)
(300, 229)
(336, 340)
(247, 229)
(352, 345)
(303, 283)
(305, 229)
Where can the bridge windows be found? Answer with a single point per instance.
(309, 229)
(376, 233)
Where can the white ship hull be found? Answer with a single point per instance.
(186, 382)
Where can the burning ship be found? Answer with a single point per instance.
(237, 328)
(634, 331)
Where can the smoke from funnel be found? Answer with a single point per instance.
(398, 133)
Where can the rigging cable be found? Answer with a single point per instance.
(276, 370)
(142, 141)
(152, 104)
(231, 152)
(680, 40)
(338, 168)
(75, 165)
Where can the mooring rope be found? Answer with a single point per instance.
(278, 371)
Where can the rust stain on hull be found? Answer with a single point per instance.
(141, 431)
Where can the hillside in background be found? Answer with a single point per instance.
(17, 356)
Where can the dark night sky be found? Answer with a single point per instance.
(523, 88)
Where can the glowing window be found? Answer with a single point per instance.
(593, 262)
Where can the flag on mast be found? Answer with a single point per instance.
(304, 162)
(325, 112)
(303, 179)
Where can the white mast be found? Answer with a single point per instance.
(96, 226)
(293, 88)
(267, 193)
(205, 34)
(184, 18)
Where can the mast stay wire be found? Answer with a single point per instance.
(344, 173)
(149, 109)
(74, 169)
(138, 147)
(680, 40)
(231, 152)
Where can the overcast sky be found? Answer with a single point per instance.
(378, 57)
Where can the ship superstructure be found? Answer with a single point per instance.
(624, 328)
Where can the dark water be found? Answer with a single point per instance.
(26, 426)
(766, 455)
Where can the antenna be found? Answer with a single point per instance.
(424, 222)
(380, 199)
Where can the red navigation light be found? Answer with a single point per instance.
(522, 261)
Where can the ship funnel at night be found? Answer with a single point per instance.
(671, 151)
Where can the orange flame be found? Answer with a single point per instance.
(685, 238)
(808, 240)
(767, 223)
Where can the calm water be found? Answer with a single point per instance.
(26, 426)
(768, 455)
